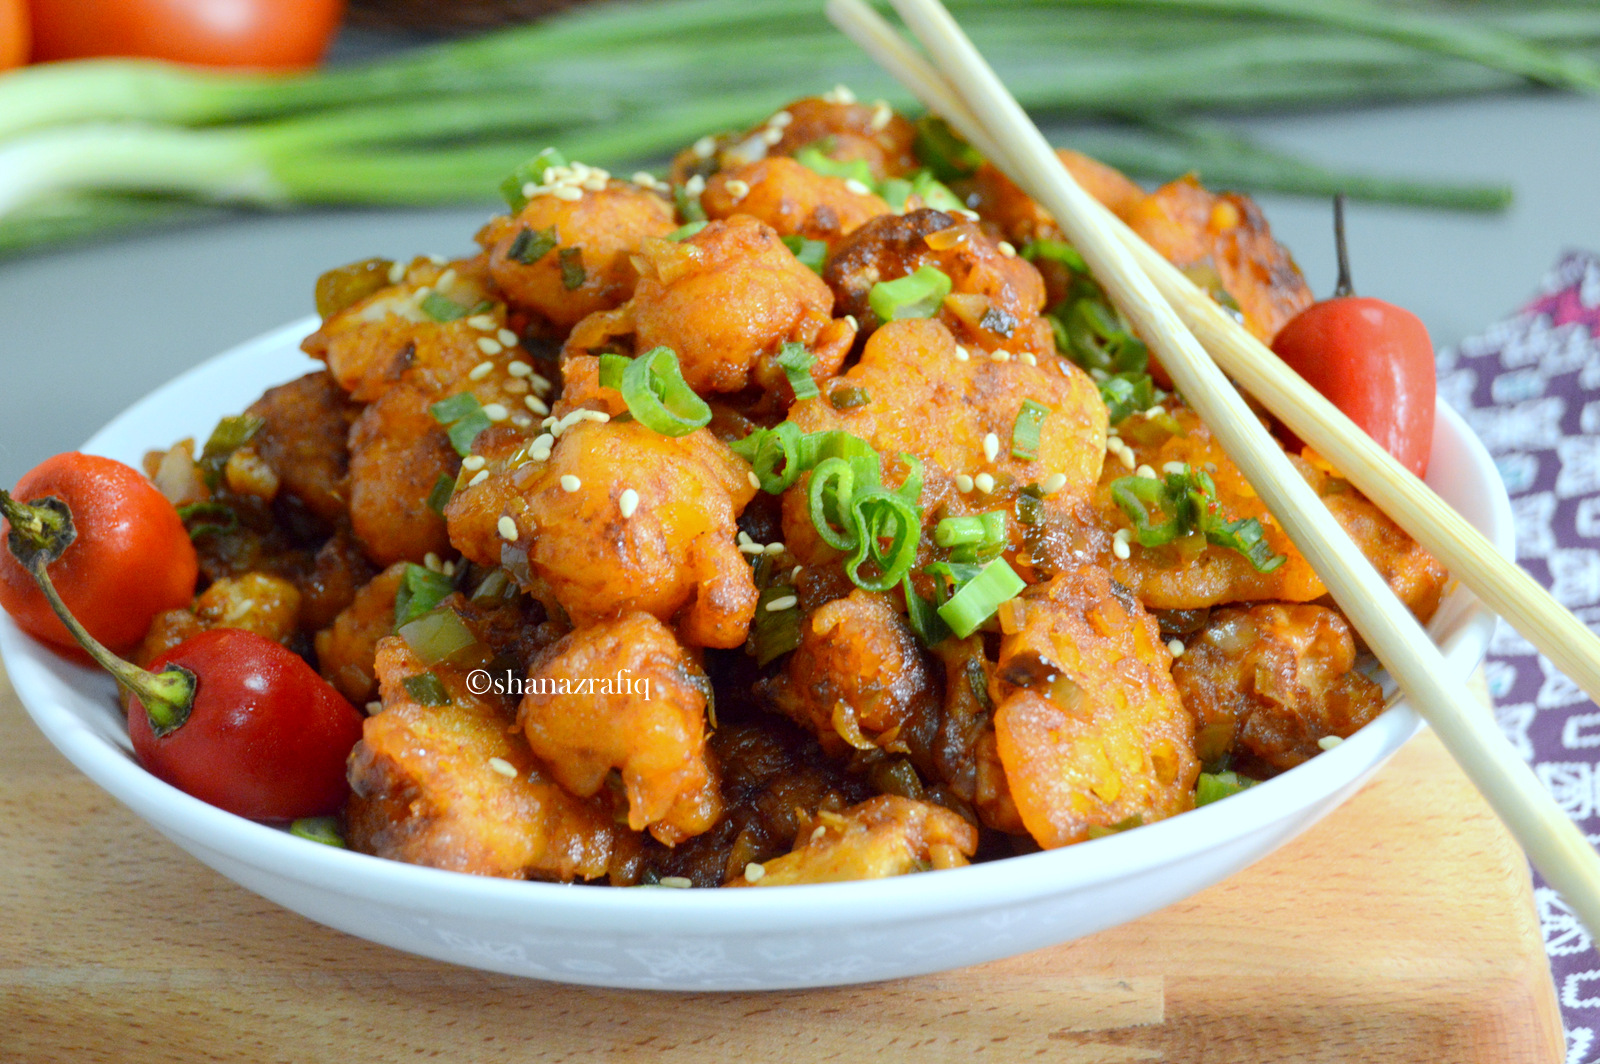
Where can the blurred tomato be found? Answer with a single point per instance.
(266, 34)
(13, 33)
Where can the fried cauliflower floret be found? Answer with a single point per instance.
(922, 400)
(995, 299)
(672, 554)
(302, 440)
(347, 648)
(1223, 240)
(430, 787)
(1272, 680)
(1416, 577)
(398, 452)
(883, 836)
(590, 240)
(725, 301)
(1087, 721)
(964, 754)
(373, 343)
(624, 695)
(998, 200)
(338, 570)
(842, 130)
(858, 679)
(261, 603)
(793, 199)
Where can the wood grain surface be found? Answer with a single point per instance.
(1399, 929)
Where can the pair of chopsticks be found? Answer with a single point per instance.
(1183, 325)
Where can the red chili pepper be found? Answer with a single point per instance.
(129, 559)
(229, 716)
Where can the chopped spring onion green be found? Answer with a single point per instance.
(832, 488)
(689, 207)
(986, 528)
(888, 529)
(225, 520)
(917, 295)
(980, 597)
(813, 158)
(1058, 251)
(230, 434)
(439, 497)
(796, 363)
(949, 157)
(1025, 431)
(848, 398)
(1215, 786)
(811, 253)
(1186, 502)
(529, 245)
(684, 232)
(1126, 394)
(774, 632)
(572, 272)
(923, 617)
(529, 173)
(1097, 337)
(443, 308)
(421, 590)
(657, 395)
(438, 636)
(897, 192)
(426, 689)
(463, 418)
(773, 454)
(323, 829)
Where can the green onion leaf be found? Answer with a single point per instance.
(226, 520)
(1186, 502)
(828, 497)
(813, 159)
(439, 497)
(980, 597)
(1025, 430)
(529, 173)
(454, 408)
(811, 253)
(689, 207)
(910, 489)
(323, 829)
(1126, 394)
(978, 528)
(1215, 786)
(1057, 251)
(796, 362)
(572, 272)
(888, 529)
(942, 151)
(442, 308)
(848, 398)
(421, 590)
(656, 393)
(425, 689)
(684, 232)
(230, 434)
(463, 418)
(925, 621)
(934, 194)
(774, 632)
(529, 246)
(917, 295)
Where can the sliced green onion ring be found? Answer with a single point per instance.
(811, 253)
(829, 496)
(916, 295)
(796, 363)
(1026, 429)
(880, 515)
(657, 395)
(981, 596)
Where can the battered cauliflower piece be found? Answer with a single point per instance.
(624, 695)
(725, 300)
(1088, 724)
(995, 299)
(793, 199)
(261, 603)
(858, 679)
(672, 554)
(398, 452)
(590, 240)
(883, 836)
(998, 200)
(1272, 680)
(348, 648)
(454, 786)
(302, 438)
(838, 127)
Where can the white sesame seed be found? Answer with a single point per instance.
(570, 483)
(1175, 467)
(963, 483)
(541, 383)
(858, 187)
(755, 481)
(422, 293)
(965, 213)
(738, 189)
(839, 94)
(881, 114)
(1209, 467)
(787, 602)
(1328, 742)
(1007, 249)
(983, 482)
(531, 189)
(752, 549)
(1125, 456)
(507, 337)
(1175, 648)
(775, 548)
(645, 179)
(753, 872)
(483, 323)
(961, 353)
(1000, 355)
(374, 707)
(534, 403)
(705, 146)
(496, 412)
(780, 120)
(991, 446)
(568, 193)
(489, 346)
(1119, 547)
(854, 325)
(507, 529)
(695, 185)
(519, 369)
(1028, 359)
(1155, 411)
(771, 135)
(503, 767)
(794, 574)
(473, 462)
(594, 184)
(448, 568)
(522, 421)
(478, 478)
(538, 453)
(397, 272)
(627, 502)
(676, 882)
(1146, 472)
(430, 560)
(549, 422)
(820, 831)
(480, 371)
(1053, 483)
(599, 417)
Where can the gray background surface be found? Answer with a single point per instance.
(84, 332)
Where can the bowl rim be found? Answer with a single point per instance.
(40, 680)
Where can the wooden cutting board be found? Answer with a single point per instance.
(1400, 929)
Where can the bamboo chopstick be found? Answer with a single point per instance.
(972, 98)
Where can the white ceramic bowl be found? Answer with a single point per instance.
(716, 939)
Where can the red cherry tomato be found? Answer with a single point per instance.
(266, 34)
(131, 560)
(1374, 361)
(266, 737)
(15, 39)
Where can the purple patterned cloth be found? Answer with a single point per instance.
(1530, 387)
